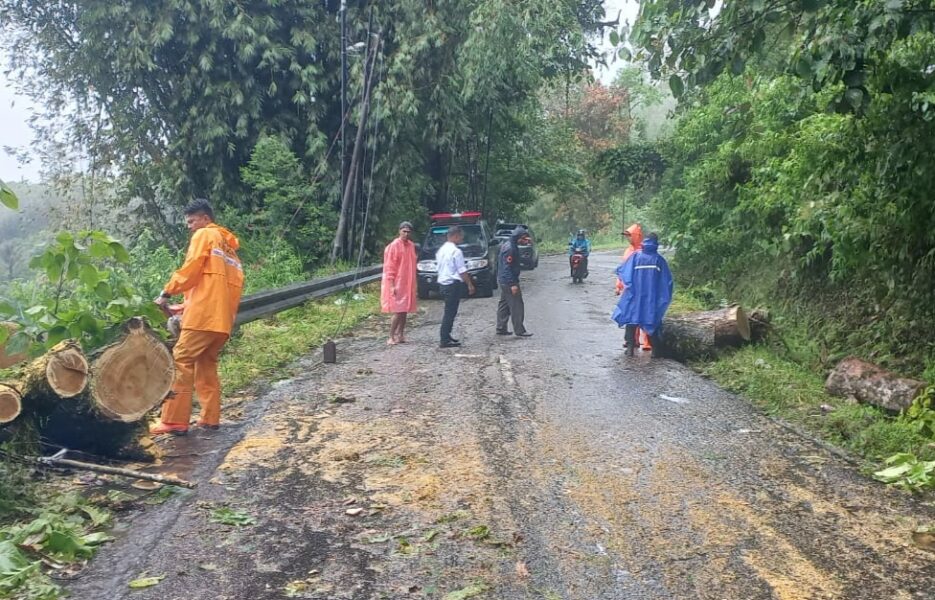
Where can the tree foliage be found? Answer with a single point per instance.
(173, 97)
(839, 44)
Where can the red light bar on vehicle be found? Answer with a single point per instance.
(468, 216)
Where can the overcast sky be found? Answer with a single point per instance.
(15, 110)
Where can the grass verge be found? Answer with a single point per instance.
(784, 388)
(783, 378)
(263, 349)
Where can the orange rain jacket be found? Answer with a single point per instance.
(211, 279)
(636, 243)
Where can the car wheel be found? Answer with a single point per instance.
(423, 293)
(485, 291)
(535, 265)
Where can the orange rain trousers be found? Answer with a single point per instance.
(196, 367)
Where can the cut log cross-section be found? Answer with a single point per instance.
(11, 403)
(701, 334)
(60, 373)
(132, 376)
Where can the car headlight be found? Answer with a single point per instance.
(427, 265)
(475, 264)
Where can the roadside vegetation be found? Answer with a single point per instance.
(797, 175)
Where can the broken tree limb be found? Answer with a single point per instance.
(57, 461)
(701, 334)
(871, 384)
(11, 403)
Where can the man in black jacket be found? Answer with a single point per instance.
(511, 296)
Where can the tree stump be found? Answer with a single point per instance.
(701, 334)
(11, 403)
(871, 384)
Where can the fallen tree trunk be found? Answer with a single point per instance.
(128, 379)
(11, 403)
(701, 334)
(871, 384)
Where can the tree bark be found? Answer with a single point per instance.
(11, 403)
(702, 334)
(870, 384)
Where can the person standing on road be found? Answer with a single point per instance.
(648, 289)
(398, 289)
(211, 280)
(511, 304)
(634, 234)
(453, 277)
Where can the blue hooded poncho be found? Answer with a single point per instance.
(648, 289)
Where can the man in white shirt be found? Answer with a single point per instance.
(452, 277)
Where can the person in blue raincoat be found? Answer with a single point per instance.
(648, 288)
(580, 243)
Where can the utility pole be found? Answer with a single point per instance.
(344, 115)
(340, 236)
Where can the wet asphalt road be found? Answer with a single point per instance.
(552, 467)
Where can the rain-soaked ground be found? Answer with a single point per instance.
(552, 467)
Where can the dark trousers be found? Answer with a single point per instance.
(511, 307)
(452, 294)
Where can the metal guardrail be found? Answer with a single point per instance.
(269, 302)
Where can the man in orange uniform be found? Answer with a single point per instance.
(211, 280)
(634, 234)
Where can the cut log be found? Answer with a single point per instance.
(128, 379)
(8, 360)
(132, 376)
(701, 334)
(62, 372)
(871, 384)
(11, 403)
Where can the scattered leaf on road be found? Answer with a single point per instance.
(430, 536)
(470, 591)
(481, 532)
(208, 567)
(227, 516)
(353, 512)
(145, 582)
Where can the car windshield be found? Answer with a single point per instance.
(473, 236)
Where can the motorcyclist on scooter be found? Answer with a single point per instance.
(579, 244)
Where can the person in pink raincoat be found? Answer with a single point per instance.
(398, 291)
